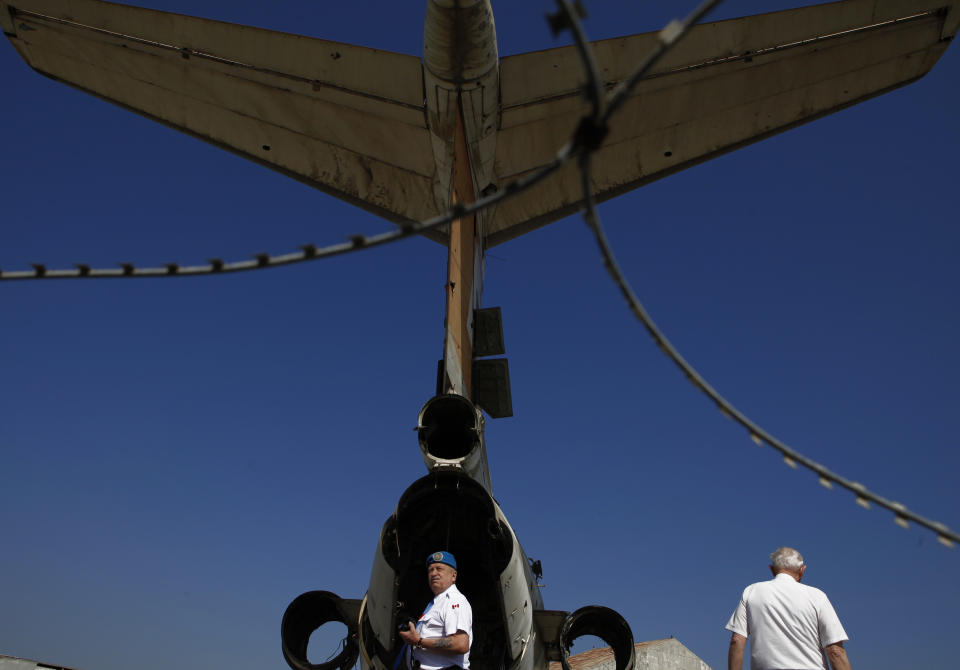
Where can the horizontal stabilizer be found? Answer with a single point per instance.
(345, 119)
(351, 121)
(725, 85)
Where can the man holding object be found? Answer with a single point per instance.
(442, 637)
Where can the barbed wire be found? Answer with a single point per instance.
(586, 139)
(791, 457)
(863, 497)
(308, 252)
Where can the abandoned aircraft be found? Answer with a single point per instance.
(406, 138)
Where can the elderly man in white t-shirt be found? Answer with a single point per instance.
(791, 626)
(442, 637)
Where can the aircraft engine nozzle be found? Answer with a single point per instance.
(606, 624)
(306, 614)
(449, 427)
(450, 430)
(459, 40)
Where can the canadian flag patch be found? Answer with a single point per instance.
(453, 607)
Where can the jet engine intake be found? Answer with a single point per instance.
(306, 614)
(604, 623)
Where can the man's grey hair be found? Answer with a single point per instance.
(786, 558)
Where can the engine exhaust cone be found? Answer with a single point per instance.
(449, 427)
(306, 614)
(604, 623)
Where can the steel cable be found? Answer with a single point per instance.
(307, 252)
(791, 457)
(587, 138)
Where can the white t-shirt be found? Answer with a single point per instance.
(449, 613)
(788, 624)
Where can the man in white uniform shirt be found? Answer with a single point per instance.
(444, 632)
(791, 626)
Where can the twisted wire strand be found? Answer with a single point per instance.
(793, 458)
(582, 141)
(585, 139)
(594, 85)
(669, 36)
(307, 252)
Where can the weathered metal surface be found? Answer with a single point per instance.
(461, 86)
(450, 432)
(447, 508)
(305, 615)
(353, 121)
(12, 663)
(9, 663)
(491, 387)
(488, 332)
(461, 271)
(345, 119)
(459, 40)
(728, 84)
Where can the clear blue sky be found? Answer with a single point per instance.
(180, 458)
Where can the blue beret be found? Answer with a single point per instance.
(442, 557)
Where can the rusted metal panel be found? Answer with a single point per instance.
(278, 99)
(759, 96)
(542, 75)
(392, 76)
(351, 121)
(728, 84)
(200, 95)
